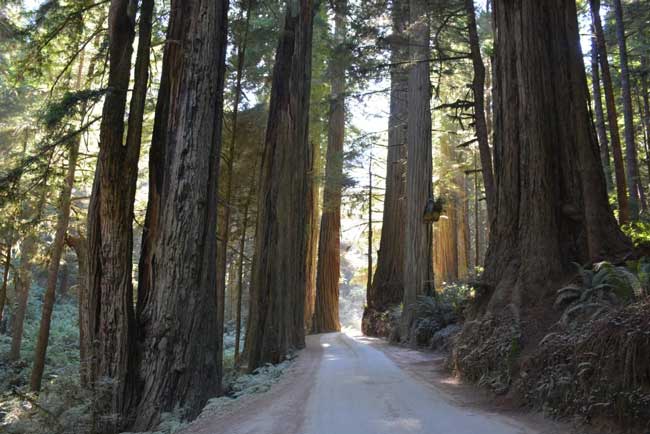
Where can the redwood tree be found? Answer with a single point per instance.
(110, 232)
(180, 333)
(637, 193)
(612, 116)
(598, 111)
(418, 261)
(387, 287)
(279, 277)
(326, 313)
(480, 124)
(552, 201)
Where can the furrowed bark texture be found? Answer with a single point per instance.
(279, 277)
(612, 116)
(110, 232)
(387, 287)
(552, 202)
(600, 117)
(418, 261)
(180, 353)
(326, 314)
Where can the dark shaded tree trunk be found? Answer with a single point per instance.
(326, 313)
(552, 201)
(600, 118)
(637, 193)
(27, 251)
(279, 277)
(418, 265)
(480, 125)
(181, 346)
(612, 116)
(645, 110)
(387, 287)
(240, 271)
(80, 247)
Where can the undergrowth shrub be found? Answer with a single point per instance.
(601, 368)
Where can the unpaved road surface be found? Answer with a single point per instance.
(350, 385)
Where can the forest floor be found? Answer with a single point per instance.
(345, 384)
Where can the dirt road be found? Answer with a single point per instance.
(349, 385)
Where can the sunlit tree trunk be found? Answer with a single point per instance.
(279, 278)
(326, 313)
(314, 232)
(180, 331)
(387, 287)
(612, 116)
(418, 263)
(600, 118)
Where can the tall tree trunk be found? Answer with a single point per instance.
(58, 245)
(645, 112)
(637, 193)
(480, 125)
(110, 232)
(552, 201)
(598, 110)
(240, 271)
(27, 252)
(612, 116)
(314, 232)
(370, 241)
(180, 334)
(279, 277)
(5, 278)
(326, 314)
(224, 225)
(418, 265)
(387, 287)
(80, 246)
(447, 245)
(64, 281)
